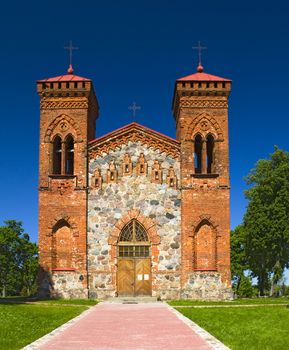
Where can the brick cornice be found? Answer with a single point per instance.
(134, 133)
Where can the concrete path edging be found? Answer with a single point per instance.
(47, 337)
(208, 337)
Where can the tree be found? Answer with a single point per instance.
(18, 259)
(238, 256)
(266, 223)
(245, 289)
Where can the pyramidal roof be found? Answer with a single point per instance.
(201, 76)
(70, 76)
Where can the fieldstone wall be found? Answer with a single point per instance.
(62, 284)
(67, 285)
(156, 201)
(206, 286)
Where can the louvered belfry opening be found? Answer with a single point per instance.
(133, 241)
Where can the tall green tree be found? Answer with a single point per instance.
(238, 256)
(266, 223)
(18, 259)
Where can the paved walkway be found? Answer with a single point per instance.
(127, 326)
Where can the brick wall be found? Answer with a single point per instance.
(63, 198)
(201, 109)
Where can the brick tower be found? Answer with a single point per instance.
(200, 108)
(69, 110)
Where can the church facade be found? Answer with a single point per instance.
(134, 212)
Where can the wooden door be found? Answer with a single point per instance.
(142, 277)
(134, 277)
(126, 276)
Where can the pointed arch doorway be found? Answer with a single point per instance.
(134, 261)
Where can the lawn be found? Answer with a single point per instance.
(252, 328)
(233, 302)
(21, 324)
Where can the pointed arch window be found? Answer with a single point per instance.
(210, 154)
(198, 154)
(69, 155)
(57, 155)
(133, 241)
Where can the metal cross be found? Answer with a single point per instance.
(199, 48)
(134, 107)
(70, 48)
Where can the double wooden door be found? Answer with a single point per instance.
(134, 276)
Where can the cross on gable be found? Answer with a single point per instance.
(134, 107)
(199, 48)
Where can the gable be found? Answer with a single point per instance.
(134, 132)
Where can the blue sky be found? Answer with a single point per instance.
(134, 51)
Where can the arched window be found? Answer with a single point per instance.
(61, 242)
(69, 155)
(57, 155)
(205, 247)
(198, 154)
(210, 154)
(133, 241)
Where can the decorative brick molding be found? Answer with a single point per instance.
(147, 223)
(202, 103)
(156, 173)
(96, 179)
(172, 178)
(65, 218)
(62, 121)
(203, 124)
(112, 173)
(64, 103)
(134, 133)
(127, 165)
(204, 218)
(141, 165)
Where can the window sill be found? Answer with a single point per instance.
(69, 269)
(205, 270)
(205, 176)
(59, 176)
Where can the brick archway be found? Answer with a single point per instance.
(66, 218)
(205, 221)
(150, 227)
(71, 124)
(212, 126)
(148, 224)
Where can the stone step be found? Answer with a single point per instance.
(131, 300)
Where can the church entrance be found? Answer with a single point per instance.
(134, 262)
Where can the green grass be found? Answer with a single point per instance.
(88, 302)
(253, 328)
(233, 302)
(21, 324)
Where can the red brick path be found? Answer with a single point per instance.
(130, 327)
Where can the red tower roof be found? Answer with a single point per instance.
(201, 76)
(66, 77)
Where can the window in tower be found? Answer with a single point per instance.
(198, 154)
(210, 154)
(57, 155)
(69, 155)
